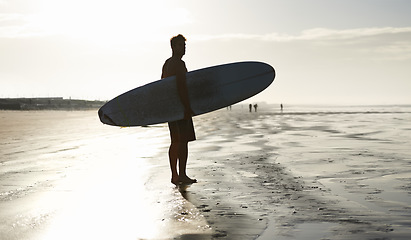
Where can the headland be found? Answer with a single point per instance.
(48, 103)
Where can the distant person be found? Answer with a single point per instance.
(255, 107)
(181, 131)
(281, 107)
(250, 107)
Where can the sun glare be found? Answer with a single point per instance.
(108, 22)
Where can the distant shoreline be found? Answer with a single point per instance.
(60, 103)
(48, 103)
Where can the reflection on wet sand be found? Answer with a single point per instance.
(63, 175)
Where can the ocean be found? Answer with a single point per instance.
(306, 172)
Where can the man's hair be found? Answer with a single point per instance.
(176, 39)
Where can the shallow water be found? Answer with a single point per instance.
(60, 169)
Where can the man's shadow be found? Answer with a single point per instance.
(193, 199)
(183, 189)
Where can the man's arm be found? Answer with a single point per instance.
(183, 90)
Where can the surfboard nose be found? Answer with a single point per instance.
(104, 118)
(101, 115)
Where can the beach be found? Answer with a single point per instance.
(307, 172)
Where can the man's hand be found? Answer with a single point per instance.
(183, 91)
(188, 113)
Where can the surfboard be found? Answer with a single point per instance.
(209, 89)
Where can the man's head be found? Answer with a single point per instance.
(178, 44)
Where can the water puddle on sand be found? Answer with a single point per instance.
(303, 231)
(380, 194)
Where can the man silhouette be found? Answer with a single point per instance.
(181, 131)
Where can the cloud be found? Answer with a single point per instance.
(386, 43)
(330, 34)
(95, 20)
(11, 25)
(15, 25)
(315, 34)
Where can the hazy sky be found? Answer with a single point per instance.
(324, 51)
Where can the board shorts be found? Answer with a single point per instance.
(182, 130)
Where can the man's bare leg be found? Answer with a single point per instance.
(183, 156)
(173, 156)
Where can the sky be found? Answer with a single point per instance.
(324, 51)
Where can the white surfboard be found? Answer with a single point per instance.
(209, 89)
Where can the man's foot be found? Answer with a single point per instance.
(186, 180)
(175, 180)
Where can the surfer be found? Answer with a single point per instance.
(181, 131)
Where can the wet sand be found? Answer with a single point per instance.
(312, 174)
